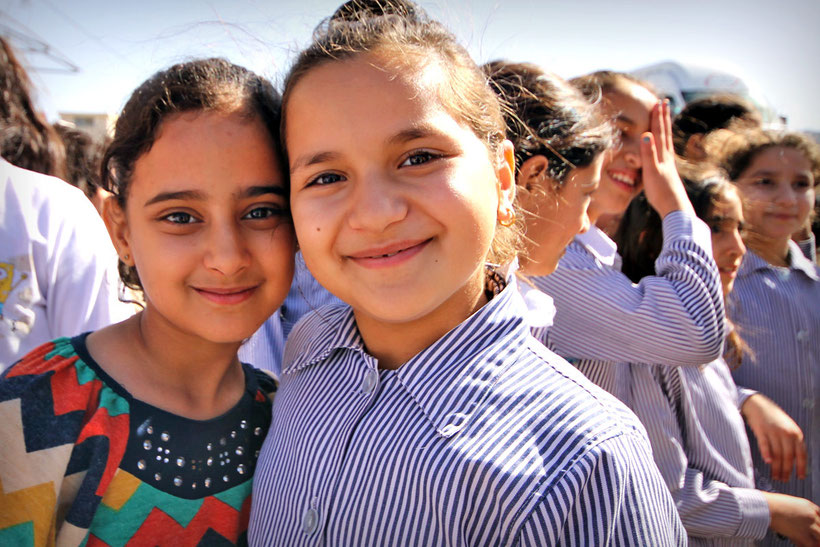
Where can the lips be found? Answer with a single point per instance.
(729, 270)
(226, 296)
(627, 179)
(389, 255)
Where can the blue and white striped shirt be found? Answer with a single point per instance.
(265, 347)
(604, 321)
(483, 438)
(699, 442)
(777, 313)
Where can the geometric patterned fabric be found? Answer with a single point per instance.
(83, 463)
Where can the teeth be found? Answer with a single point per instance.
(622, 178)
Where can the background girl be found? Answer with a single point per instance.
(150, 428)
(777, 291)
(674, 317)
(425, 413)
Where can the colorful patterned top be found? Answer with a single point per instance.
(84, 463)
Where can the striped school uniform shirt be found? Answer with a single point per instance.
(265, 347)
(692, 417)
(483, 438)
(604, 321)
(777, 313)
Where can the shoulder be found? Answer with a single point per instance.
(315, 332)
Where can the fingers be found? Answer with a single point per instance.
(802, 458)
(764, 446)
(786, 459)
(776, 451)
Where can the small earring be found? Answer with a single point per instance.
(125, 257)
(510, 218)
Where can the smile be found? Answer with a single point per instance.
(624, 178)
(226, 296)
(390, 255)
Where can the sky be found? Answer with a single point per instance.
(773, 46)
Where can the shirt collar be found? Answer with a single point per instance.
(448, 379)
(600, 246)
(753, 262)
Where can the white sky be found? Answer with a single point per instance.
(772, 44)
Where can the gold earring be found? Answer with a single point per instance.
(125, 257)
(510, 218)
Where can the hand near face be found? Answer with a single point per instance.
(662, 185)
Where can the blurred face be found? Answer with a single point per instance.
(554, 219)
(394, 201)
(726, 222)
(207, 224)
(630, 106)
(778, 192)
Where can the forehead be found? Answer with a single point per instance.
(780, 159)
(629, 99)
(728, 205)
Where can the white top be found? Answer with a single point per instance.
(58, 268)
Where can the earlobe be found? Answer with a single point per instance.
(505, 173)
(117, 225)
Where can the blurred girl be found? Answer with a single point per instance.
(674, 317)
(777, 291)
(424, 413)
(693, 414)
(150, 428)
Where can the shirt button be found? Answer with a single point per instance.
(369, 382)
(802, 335)
(310, 521)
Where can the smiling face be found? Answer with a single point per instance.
(630, 106)
(726, 223)
(778, 192)
(394, 201)
(206, 224)
(553, 218)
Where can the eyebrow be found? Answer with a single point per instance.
(625, 119)
(405, 135)
(196, 195)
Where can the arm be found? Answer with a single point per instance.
(602, 497)
(674, 317)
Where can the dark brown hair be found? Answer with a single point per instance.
(208, 85)
(27, 140)
(595, 84)
(548, 117)
(401, 35)
(707, 114)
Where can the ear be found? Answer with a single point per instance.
(532, 172)
(117, 224)
(505, 175)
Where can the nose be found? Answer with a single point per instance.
(632, 153)
(737, 247)
(226, 249)
(376, 203)
(785, 195)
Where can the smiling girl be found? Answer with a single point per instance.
(423, 412)
(150, 428)
(777, 291)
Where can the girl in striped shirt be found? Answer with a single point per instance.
(693, 414)
(423, 412)
(776, 302)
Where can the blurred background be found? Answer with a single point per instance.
(86, 56)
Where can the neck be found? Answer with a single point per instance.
(393, 344)
(775, 251)
(174, 370)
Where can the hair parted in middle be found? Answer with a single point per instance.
(401, 36)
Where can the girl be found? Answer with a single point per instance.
(558, 138)
(777, 292)
(424, 413)
(150, 428)
(693, 414)
(674, 317)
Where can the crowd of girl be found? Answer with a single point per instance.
(490, 367)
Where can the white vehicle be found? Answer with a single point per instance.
(682, 83)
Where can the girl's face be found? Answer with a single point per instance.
(778, 192)
(726, 222)
(394, 201)
(554, 219)
(630, 106)
(206, 223)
